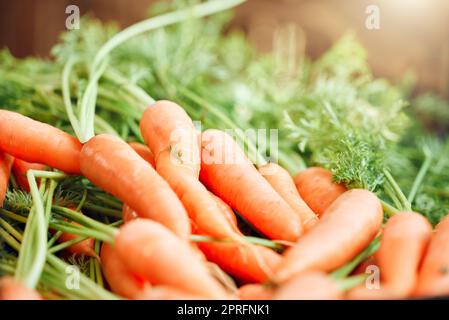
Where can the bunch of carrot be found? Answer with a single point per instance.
(180, 191)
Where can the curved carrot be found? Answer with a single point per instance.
(20, 169)
(38, 142)
(172, 137)
(120, 279)
(5, 170)
(231, 176)
(317, 189)
(282, 182)
(128, 214)
(144, 152)
(310, 286)
(347, 227)
(165, 126)
(112, 165)
(253, 291)
(11, 289)
(241, 262)
(150, 251)
(166, 293)
(433, 278)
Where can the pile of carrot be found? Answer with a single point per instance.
(187, 193)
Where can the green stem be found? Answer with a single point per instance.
(351, 282)
(253, 240)
(405, 203)
(420, 177)
(9, 239)
(389, 209)
(13, 215)
(80, 231)
(106, 211)
(65, 85)
(67, 244)
(16, 234)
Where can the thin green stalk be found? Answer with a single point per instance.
(389, 209)
(106, 211)
(16, 234)
(66, 244)
(253, 240)
(405, 203)
(54, 239)
(420, 177)
(9, 239)
(13, 215)
(351, 282)
(85, 220)
(98, 274)
(65, 85)
(80, 231)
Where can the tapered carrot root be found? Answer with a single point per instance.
(5, 170)
(227, 212)
(255, 291)
(150, 251)
(120, 279)
(37, 142)
(310, 286)
(317, 189)
(112, 165)
(231, 176)
(20, 169)
(433, 278)
(242, 262)
(128, 214)
(172, 137)
(282, 182)
(11, 289)
(166, 293)
(347, 227)
(143, 151)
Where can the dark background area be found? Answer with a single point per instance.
(414, 34)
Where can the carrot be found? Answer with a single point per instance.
(309, 286)
(112, 165)
(38, 142)
(144, 152)
(165, 293)
(253, 291)
(5, 170)
(172, 137)
(347, 227)
(242, 262)
(404, 241)
(316, 187)
(150, 251)
(433, 279)
(20, 169)
(282, 182)
(128, 214)
(120, 279)
(165, 126)
(11, 289)
(230, 175)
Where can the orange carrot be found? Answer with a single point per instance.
(166, 293)
(241, 262)
(231, 176)
(165, 126)
(177, 161)
(347, 227)
(144, 152)
(5, 170)
(11, 289)
(34, 141)
(253, 291)
(404, 241)
(282, 182)
(20, 169)
(112, 165)
(128, 214)
(310, 286)
(120, 279)
(150, 251)
(433, 279)
(316, 187)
